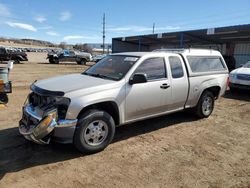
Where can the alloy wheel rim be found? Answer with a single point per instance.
(95, 133)
(207, 105)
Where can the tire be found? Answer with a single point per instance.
(95, 130)
(16, 61)
(205, 105)
(82, 62)
(56, 61)
(3, 98)
(51, 61)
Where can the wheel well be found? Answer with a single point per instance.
(109, 107)
(215, 90)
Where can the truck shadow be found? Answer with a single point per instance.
(238, 95)
(18, 154)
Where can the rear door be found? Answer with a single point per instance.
(150, 98)
(179, 80)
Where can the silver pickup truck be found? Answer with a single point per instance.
(84, 109)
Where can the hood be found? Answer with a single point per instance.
(241, 70)
(72, 82)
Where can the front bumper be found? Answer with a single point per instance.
(239, 86)
(41, 128)
(6, 87)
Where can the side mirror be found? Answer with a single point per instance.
(10, 65)
(138, 78)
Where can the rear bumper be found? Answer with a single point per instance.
(41, 129)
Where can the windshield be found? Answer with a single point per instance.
(113, 67)
(247, 65)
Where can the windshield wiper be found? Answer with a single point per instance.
(100, 76)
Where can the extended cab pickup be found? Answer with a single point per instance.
(9, 54)
(69, 55)
(84, 109)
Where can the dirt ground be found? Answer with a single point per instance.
(171, 151)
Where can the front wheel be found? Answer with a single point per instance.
(3, 98)
(95, 130)
(205, 105)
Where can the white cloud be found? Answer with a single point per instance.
(64, 16)
(45, 27)
(40, 19)
(22, 26)
(4, 11)
(77, 37)
(52, 33)
(140, 29)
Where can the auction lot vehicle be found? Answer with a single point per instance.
(69, 55)
(84, 109)
(240, 78)
(5, 84)
(8, 54)
(97, 58)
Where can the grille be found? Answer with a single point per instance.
(243, 77)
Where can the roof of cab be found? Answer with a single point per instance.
(189, 51)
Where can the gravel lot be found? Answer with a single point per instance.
(171, 151)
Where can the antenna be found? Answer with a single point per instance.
(103, 34)
(153, 28)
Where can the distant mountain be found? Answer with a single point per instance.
(29, 42)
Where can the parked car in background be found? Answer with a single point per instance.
(5, 84)
(240, 78)
(10, 54)
(84, 109)
(97, 58)
(69, 55)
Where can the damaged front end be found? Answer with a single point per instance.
(44, 116)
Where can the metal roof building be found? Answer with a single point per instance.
(232, 41)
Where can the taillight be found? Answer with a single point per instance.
(228, 83)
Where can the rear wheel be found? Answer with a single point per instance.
(82, 62)
(205, 105)
(95, 130)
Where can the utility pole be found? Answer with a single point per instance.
(103, 34)
(153, 28)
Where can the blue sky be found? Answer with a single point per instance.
(79, 21)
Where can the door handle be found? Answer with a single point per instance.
(164, 86)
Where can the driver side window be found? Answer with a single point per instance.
(154, 68)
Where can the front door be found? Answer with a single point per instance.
(150, 98)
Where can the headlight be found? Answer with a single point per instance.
(46, 103)
(232, 75)
(62, 104)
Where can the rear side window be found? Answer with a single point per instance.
(154, 68)
(176, 67)
(205, 64)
